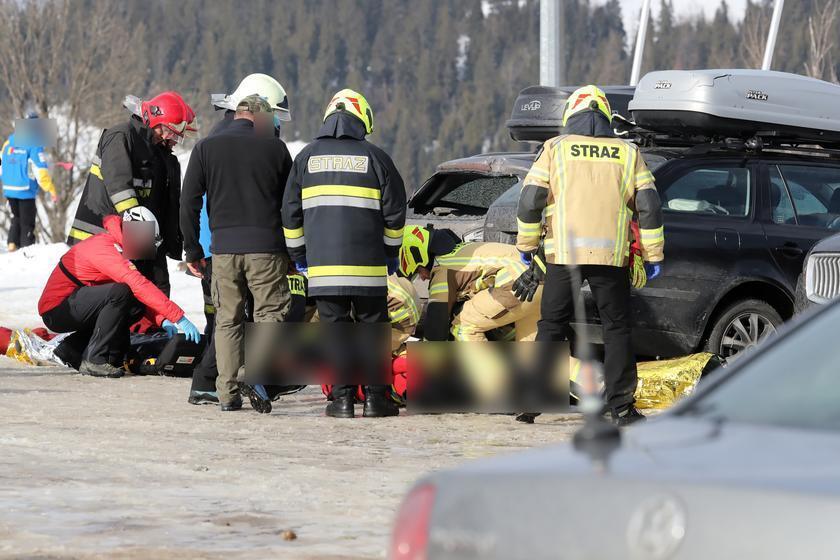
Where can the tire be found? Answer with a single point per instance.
(740, 326)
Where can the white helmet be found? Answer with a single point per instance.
(260, 84)
(143, 214)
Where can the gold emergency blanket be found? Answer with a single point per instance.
(663, 382)
(29, 348)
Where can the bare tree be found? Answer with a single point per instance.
(754, 33)
(819, 63)
(72, 60)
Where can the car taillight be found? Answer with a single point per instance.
(411, 532)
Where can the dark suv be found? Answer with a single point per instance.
(738, 224)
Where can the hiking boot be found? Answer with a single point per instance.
(626, 415)
(235, 404)
(100, 370)
(342, 407)
(258, 397)
(378, 405)
(203, 397)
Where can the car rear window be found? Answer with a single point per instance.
(794, 382)
(477, 192)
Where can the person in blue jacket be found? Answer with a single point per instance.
(22, 170)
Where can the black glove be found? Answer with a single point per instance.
(526, 285)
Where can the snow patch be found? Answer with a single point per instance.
(463, 55)
(25, 273)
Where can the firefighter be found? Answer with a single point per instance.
(97, 293)
(470, 286)
(134, 167)
(403, 311)
(586, 185)
(343, 216)
(24, 170)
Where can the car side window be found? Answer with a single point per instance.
(781, 206)
(720, 190)
(815, 192)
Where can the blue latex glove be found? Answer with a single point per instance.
(526, 258)
(392, 265)
(301, 265)
(653, 270)
(190, 331)
(169, 327)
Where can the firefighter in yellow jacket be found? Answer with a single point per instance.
(470, 286)
(578, 200)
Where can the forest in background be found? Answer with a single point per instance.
(441, 75)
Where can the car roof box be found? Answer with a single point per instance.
(738, 104)
(537, 113)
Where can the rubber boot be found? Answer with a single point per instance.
(342, 406)
(378, 405)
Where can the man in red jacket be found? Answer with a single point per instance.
(96, 291)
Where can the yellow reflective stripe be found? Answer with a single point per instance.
(340, 190)
(652, 235)
(395, 233)
(528, 228)
(622, 227)
(538, 172)
(346, 270)
(293, 233)
(96, 171)
(643, 178)
(398, 315)
(439, 288)
(126, 204)
(209, 309)
(406, 299)
(79, 234)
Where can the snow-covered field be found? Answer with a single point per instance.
(24, 273)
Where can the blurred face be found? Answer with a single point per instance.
(264, 123)
(166, 136)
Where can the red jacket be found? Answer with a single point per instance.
(98, 260)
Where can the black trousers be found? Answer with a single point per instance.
(350, 309)
(22, 228)
(611, 290)
(101, 317)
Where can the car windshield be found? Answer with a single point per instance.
(794, 382)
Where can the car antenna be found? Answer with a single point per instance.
(597, 438)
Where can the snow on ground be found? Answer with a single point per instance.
(24, 273)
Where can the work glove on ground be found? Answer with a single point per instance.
(529, 281)
(653, 270)
(190, 331)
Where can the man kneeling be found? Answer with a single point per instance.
(96, 291)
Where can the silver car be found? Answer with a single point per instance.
(749, 467)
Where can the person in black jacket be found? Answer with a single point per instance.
(243, 170)
(343, 216)
(134, 166)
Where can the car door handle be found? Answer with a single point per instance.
(791, 250)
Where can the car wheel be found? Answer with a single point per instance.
(742, 326)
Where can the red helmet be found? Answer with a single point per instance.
(170, 110)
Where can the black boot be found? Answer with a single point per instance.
(626, 415)
(100, 370)
(235, 404)
(258, 397)
(342, 406)
(378, 405)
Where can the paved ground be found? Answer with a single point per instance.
(126, 468)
